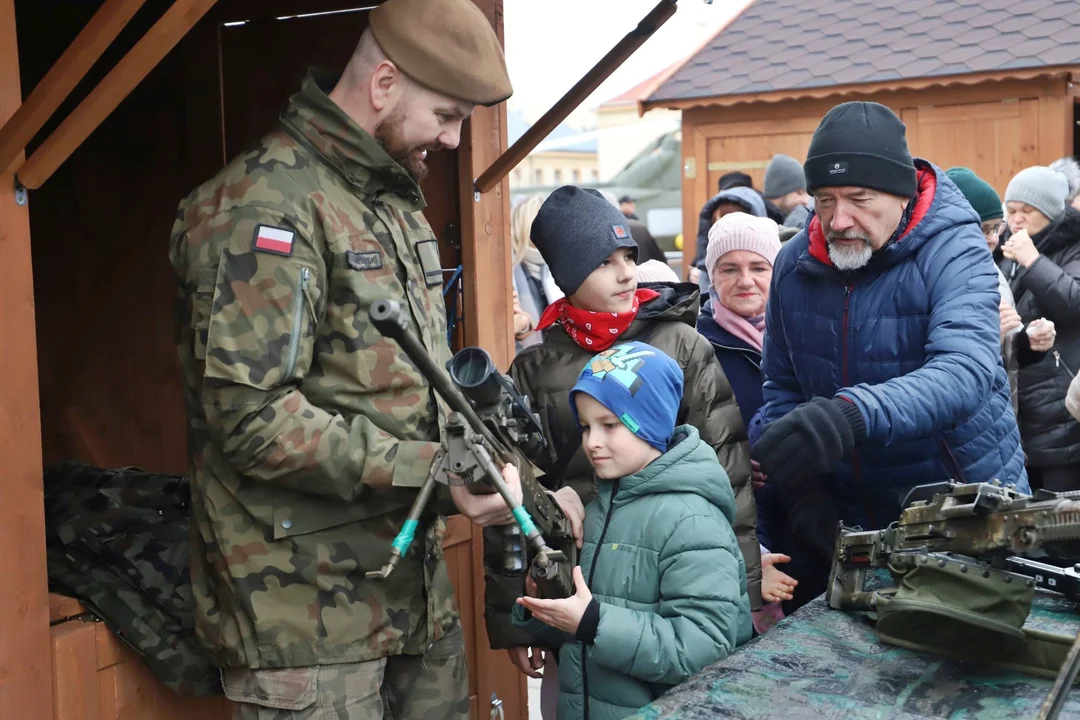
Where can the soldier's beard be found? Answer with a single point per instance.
(411, 157)
(849, 257)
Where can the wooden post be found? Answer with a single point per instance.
(485, 250)
(25, 646)
(64, 75)
(121, 80)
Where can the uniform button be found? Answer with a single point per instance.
(286, 524)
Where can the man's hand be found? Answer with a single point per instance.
(562, 614)
(484, 510)
(1019, 247)
(809, 441)
(1041, 334)
(529, 660)
(1010, 319)
(571, 506)
(776, 585)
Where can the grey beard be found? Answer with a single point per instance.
(850, 258)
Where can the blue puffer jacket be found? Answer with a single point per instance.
(913, 340)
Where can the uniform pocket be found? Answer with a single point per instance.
(278, 688)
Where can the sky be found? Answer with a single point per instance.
(552, 43)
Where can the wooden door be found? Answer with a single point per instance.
(995, 139)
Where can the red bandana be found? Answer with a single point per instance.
(593, 331)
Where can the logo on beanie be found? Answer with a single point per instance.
(621, 233)
(621, 364)
(838, 168)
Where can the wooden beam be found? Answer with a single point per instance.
(253, 10)
(837, 91)
(64, 75)
(576, 95)
(121, 80)
(25, 644)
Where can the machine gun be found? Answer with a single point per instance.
(490, 425)
(986, 523)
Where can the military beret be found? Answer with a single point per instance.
(445, 45)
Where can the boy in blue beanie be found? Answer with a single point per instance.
(661, 589)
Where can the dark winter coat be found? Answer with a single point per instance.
(913, 340)
(546, 372)
(1050, 288)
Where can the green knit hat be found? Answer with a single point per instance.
(983, 198)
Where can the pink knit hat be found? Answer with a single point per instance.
(739, 231)
(655, 271)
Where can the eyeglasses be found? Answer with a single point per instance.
(993, 228)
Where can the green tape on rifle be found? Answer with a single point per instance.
(523, 519)
(405, 537)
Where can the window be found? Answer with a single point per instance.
(577, 177)
(557, 177)
(538, 176)
(517, 176)
(595, 175)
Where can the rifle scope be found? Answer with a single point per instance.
(473, 371)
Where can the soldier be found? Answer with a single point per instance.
(309, 432)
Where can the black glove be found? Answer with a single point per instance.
(808, 442)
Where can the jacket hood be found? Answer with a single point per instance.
(939, 207)
(678, 302)
(747, 197)
(689, 466)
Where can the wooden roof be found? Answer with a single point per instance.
(788, 47)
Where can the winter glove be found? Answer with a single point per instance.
(812, 517)
(808, 442)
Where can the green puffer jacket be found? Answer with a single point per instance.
(661, 559)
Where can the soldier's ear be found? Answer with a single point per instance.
(386, 83)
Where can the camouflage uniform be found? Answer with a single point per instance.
(309, 431)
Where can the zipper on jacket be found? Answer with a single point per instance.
(298, 323)
(855, 469)
(1059, 363)
(588, 581)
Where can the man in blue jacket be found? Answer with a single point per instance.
(882, 357)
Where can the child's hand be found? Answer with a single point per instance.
(775, 584)
(563, 614)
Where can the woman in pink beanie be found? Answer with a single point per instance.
(739, 260)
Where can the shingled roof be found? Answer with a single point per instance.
(778, 45)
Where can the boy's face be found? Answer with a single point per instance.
(613, 450)
(610, 287)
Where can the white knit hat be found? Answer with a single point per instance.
(654, 271)
(739, 231)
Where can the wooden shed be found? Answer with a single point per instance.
(88, 367)
(987, 84)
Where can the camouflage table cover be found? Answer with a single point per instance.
(824, 664)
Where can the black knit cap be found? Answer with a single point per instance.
(861, 144)
(576, 230)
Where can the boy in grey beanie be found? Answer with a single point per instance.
(785, 186)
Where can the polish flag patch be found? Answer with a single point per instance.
(274, 240)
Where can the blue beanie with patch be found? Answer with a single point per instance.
(640, 384)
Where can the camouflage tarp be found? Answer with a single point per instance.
(118, 541)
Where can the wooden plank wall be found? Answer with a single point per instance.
(25, 662)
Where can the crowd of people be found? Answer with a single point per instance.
(866, 323)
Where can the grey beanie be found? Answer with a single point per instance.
(784, 175)
(576, 230)
(1041, 188)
